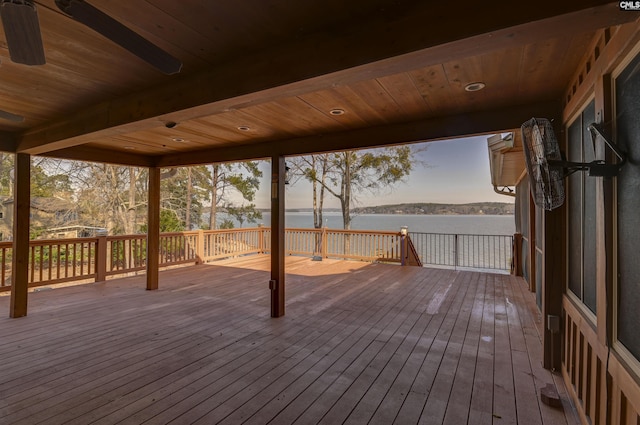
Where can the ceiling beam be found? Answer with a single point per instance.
(421, 36)
(480, 122)
(92, 154)
(8, 142)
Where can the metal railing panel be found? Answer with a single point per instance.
(493, 252)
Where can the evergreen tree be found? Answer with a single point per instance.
(241, 178)
(184, 193)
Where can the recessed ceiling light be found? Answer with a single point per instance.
(474, 86)
(177, 139)
(244, 128)
(130, 148)
(337, 111)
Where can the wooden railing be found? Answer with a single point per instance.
(219, 244)
(95, 259)
(365, 245)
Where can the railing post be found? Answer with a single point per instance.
(101, 259)
(316, 250)
(324, 242)
(403, 245)
(455, 252)
(200, 247)
(260, 238)
(516, 258)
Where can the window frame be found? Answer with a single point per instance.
(577, 300)
(618, 347)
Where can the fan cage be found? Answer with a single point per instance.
(540, 147)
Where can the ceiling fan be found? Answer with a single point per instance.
(24, 40)
(22, 30)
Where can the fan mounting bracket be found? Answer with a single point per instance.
(598, 168)
(601, 168)
(595, 168)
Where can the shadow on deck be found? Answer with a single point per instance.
(360, 343)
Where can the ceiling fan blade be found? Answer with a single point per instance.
(99, 21)
(10, 117)
(22, 30)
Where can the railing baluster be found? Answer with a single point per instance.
(66, 260)
(81, 265)
(57, 259)
(130, 260)
(119, 244)
(4, 265)
(41, 264)
(74, 261)
(31, 262)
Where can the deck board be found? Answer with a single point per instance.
(371, 343)
(360, 343)
(481, 405)
(461, 392)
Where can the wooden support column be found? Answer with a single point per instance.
(553, 282)
(516, 268)
(276, 284)
(532, 242)
(554, 275)
(153, 229)
(20, 258)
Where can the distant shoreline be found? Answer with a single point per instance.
(382, 213)
(476, 208)
(433, 223)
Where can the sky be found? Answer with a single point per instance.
(454, 171)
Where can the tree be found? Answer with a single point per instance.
(6, 174)
(313, 168)
(169, 222)
(112, 197)
(188, 190)
(241, 178)
(116, 197)
(244, 212)
(346, 175)
(48, 177)
(184, 192)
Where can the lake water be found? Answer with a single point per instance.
(461, 224)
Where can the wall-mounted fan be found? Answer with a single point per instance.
(547, 169)
(22, 31)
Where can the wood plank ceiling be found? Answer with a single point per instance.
(262, 77)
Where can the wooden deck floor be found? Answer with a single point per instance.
(360, 343)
